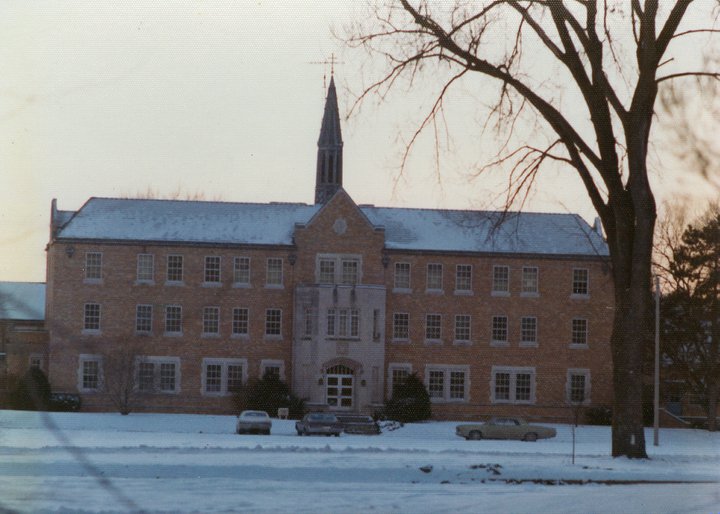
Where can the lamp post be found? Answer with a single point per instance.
(656, 417)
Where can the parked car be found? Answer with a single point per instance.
(253, 421)
(65, 402)
(504, 428)
(319, 423)
(358, 424)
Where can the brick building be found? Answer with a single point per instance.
(497, 313)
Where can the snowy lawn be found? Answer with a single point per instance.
(77, 462)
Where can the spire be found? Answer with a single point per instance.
(329, 158)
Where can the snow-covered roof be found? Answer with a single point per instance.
(274, 224)
(22, 300)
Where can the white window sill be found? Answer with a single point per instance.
(240, 336)
(433, 342)
(402, 290)
(463, 292)
(212, 284)
(530, 295)
(93, 281)
(144, 282)
(462, 342)
(274, 286)
(579, 346)
(579, 296)
(437, 292)
(400, 341)
(172, 334)
(175, 283)
(143, 333)
(272, 338)
(499, 344)
(528, 344)
(210, 335)
(500, 294)
(91, 332)
(241, 285)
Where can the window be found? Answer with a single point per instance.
(501, 280)
(274, 273)
(273, 322)
(93, 266)
(578, 386)
(499, 330)
(241, 271)
(343, 322)
(272, 368)
(158, 375)
(447, 383)
(173, 319)
(327, 271)
(402, 275)
(143, 319)
(308, 322)
(580, 282)
(211, 320)
(579, 332)
(529, 281)
(241, 322)
(433, 327)
(434, 277)
(212, 269)
(528, 331)
(463, 278)
(513, 385)
(145, 267)
(90, 373)
(221, 377)
(36, 361)
(91, 317)
(398, 373)
(349, 271)
(174, 268)
(401, 326)
(462, 328)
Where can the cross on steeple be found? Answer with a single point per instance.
(332, 61)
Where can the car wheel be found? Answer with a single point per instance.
(532, 436)
(475, 435)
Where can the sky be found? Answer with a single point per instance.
(221, 100)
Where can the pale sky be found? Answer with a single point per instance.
(111, 99)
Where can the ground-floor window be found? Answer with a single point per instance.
(273, 368)
(221, 377)
(158, 374)
(512, 385)
(577, 387)
(397, 374)
(90, 377)
(447, 383)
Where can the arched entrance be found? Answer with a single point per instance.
(339, 387)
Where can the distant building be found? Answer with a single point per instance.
(496, 313)
(23, 338)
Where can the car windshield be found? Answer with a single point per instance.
(322, 417)
(253, 414)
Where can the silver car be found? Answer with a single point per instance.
(504, 428)
(321, 423)
(253, 421)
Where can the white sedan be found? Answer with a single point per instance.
(253, 421)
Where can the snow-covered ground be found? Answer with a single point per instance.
(77, 462)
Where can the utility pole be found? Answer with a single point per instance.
(656, 420)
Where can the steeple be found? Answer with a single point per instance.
(328, 178)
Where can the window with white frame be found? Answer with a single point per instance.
(499, 330)
(309, 321)
(93, 266)
(174, 268)
(241, 321)
(446, 384)
(145, 267)
(90, 377)
(36, 360)
(528, 331)
(173, 319)
(529, 280)
(211, 321)
(463, 278)
(221, 377)
(338, 269)
(580, 282)
(213, 265)
(397, 374)
(158, 375)
(273, 323)
(91, 317)
(401, 326)
(143, 318)
(577, 387)
(513, 385)
(579, 332)
(274, 272)
(241, 271)
(433, 327)
(402, 275)
(462, 328)
(434, 277)
(501, 280)
(272, 368)
(343, 322)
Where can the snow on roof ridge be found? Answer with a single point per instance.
(186, 201)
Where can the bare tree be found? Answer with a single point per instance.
(608, 56)
(120, 377)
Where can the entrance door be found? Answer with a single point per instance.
(339, 389)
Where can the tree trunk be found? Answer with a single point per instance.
(712, 402)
